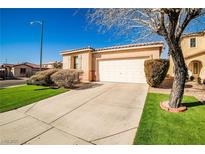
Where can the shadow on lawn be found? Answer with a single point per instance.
(46, 88)
(193, 104)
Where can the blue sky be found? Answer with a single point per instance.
(64, 29)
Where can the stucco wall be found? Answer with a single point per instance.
(202, 60)
(90, 59)
(66, 62)
(153, 53)
(16, 71)
(187, 51)
(86, 66)
(200, 45)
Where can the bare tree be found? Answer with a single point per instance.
(168, 23)
(57, 65)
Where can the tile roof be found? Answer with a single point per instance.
(7, 65)
(78, 49)
(130, 46)
(28, 64)
(193, 34)
(115, 47)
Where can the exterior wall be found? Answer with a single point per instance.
(200, 45)
(153, 53)
(66, 62)
(200, 59)
(188, 62)
(187, 51)
(90, 59)
(16, 71)
(86, 64)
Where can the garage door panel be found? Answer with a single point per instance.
(122, 71)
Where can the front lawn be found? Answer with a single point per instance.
(161, 127)
(12, 98)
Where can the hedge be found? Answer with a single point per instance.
(42, 77)
(155, 71)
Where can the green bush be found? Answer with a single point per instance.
(191, 78)
(66, 78)
(199, 80)
(42, 77)
(155, 71)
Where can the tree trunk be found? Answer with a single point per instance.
(180, 75)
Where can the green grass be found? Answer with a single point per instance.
(12, 98)
(161, 127)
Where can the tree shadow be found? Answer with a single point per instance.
(83, 86)
(165, 85)
(193, 104)
(188, 86)
(42, 89)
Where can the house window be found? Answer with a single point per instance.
(196, 68)
(77, 62)
(193, 42)
(23, 70)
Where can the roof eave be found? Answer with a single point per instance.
(128, 48)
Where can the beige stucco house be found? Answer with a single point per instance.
(25, 69)
(123, 63)
(19, 70)
(193, 47)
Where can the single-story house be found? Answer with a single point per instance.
(25, 69)
(19, 70)
(124, 63)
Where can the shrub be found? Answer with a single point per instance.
(191, 78)
(42, 77)
(66, 78)
(155, 71)
(199, 80)
(203, 81)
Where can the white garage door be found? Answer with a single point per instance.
(122, 71)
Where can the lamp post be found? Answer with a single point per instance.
(41, 43)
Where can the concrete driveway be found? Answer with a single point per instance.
(105, 114)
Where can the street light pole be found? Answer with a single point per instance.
(41, 40)
(41, 45)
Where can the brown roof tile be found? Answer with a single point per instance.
(130, 46)
(115, 47)
(29, 65)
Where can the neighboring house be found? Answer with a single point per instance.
(5, 71)
(25, 69)
(115, 64)
(50, 64)
(19, 70)
(193, 47)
